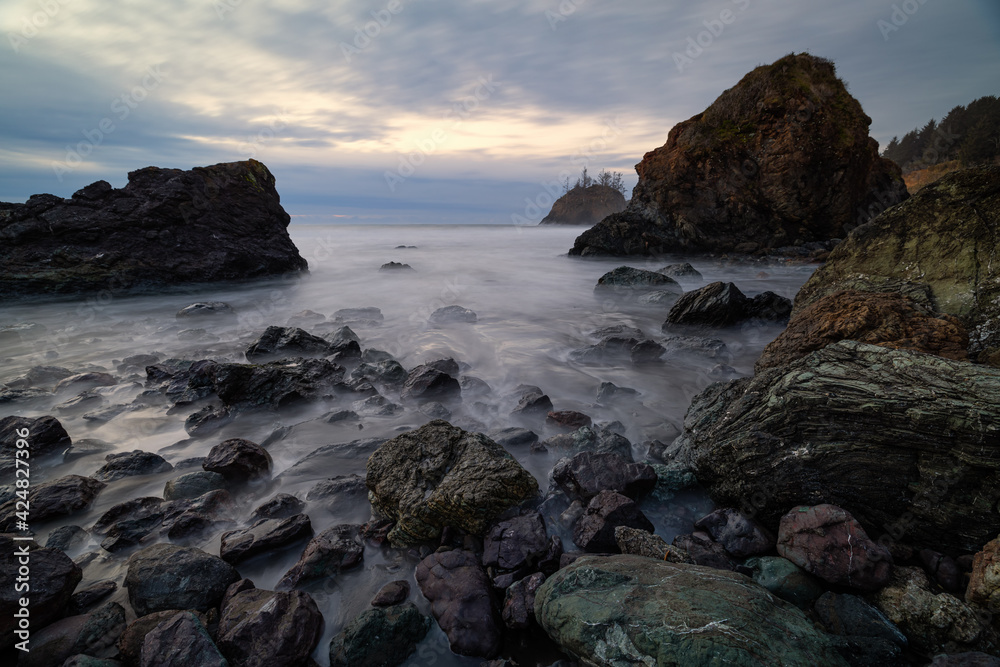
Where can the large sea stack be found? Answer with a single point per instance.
(781, 159)
(585, 206)
(166, 227)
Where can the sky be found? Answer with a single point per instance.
(436, 111)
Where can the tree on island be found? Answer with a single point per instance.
(610, 179)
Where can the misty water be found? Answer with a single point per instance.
(535, 305)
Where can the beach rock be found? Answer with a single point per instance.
(639, 542)
(719, 305)
(984, 580)
(269, 629)
(513, 544)
(130, 643)
(629, 278)
(596, 439)
(45, 436)
(335, 549)
(453, 315)
(306, 318)
(850, 615)
(425, 383)
(696, 347)
(203, 308)
(180, 640)
(83, 381)
(568, 419)
(238, 460)
(127, 464)
(532, 404)
(166, 227)
(585, 205)
(59, 497)
(461, 601)
(739, 535)
(938, 247)
(913, 429)
(888, 319)
(125, 524)
(83, 600)
(368, 317)
(53, 578)
(9, 395)
(786, 580)
(518, 611)
(826, 541)
(66, 538)
(94, 634)
(609, 393)
(275, 385)
(281, 506)
(638, 611)
(588, 473)
(287, 342)
(264, 536)
(680, 272)
(193, 484)
(389, 373)
(736, 178)
(704, 551)
(513, 436)
(381, 637)
(41, 377)
(393, 593)
(167, 576)
(395, 266)
(595, 530)
(440, 475)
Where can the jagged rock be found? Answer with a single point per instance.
(588, 473)
(66, 538)
(127, 464)
(203, 308)
(568, 419)
(264, 536)
(453, 315)
(84, 381)
(130, 643)
(166, 227)
(275, 384)
(425, 383)
(740, 535)
(389, 373)
(609, 392)
(94, 634)
(595, 530)
(719, 305)
(513, 544)
(83, 600)
(53, 578)
(64, 496)
(440, 475)
(333, 550)
(193, 484)
(238, 460)
(703, 551)
(281, 506)
(180, 640)
(682, 271)
(125, 524)
(519, 602)
(629, 278)
(269, 629)
(166, 576)
(395, 266)
(639, 542)
(736, 178)
(596, 439)
(381, 637)
(585, 205)
(287, 342)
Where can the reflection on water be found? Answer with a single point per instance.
(534, 305)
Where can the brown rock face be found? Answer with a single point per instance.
(888, 319)
(585, 206)
(781, 159)
(984, 582)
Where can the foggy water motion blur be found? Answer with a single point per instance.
(534, 307)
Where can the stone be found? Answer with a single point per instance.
(425, 383)
(440, 475)
(984, 580)
(966, 659)
(828, 542)
(735, 178)
(287, 342)
(638, 542)
(585, 205)
(588, 473)
(180, 640)
(631, 610)
(739, 535)
(94, 634)
(203, 308)
(847, 614)
(944, 570)
(595, 530)
(531, 405)
(130, 643)
(786, 580)
(512, 437)
(193, 484)
(59, 497)
(568, 419)
(166, 227)
(53, 578)
(127, 464)
(42, 377)
(83, 600)
(717, 305)
(461, 601)
(339, 489)
(682, 271)
(281, 506)
(696, 347)
(67, 538)
(46, 435)
(393, 593)
(388, 373)
(238, 460)
(265, 535)
(628, 278)
(269, 629)
(335, 549)
(702, 550)
(596, 439)
(395, 266)
(275, 385)
(83, 381)
(888, 319)
(381, 637)
(516, 543)
(453, 315)
(609, 392)
(167, 576)
(519, 602)
(360, 316)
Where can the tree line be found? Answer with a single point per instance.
(969, 134)
(611, 179)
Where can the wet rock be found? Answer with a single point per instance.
(125, 524)
(203, 308)
(53, 578)
(696, 347)
(453, 315)
(461, 600)
(609, 393)
(276, 384)
(635, 610)
(984, 580)
(42, 377)
(281, 506)
(269, 629)
(395, 266)
(393, 593)
(340, 416)
(331, 457)
(130, 643)
(519, 602)
(306, 318)
(703, 551)
(167, 576)
(588, 473)
(239, 460)
(263, 536)
(82, 660)
(209, 418)
(681, 272)
(342, 489)
(180, 640)
(716, 305)
(828, 542)
(83, 381)
(595, 530)
(786, 580)
(376, 406)
(850, 615)
(643, 543)
(335, 549)
(425, 383)
(628, 278)
(45, 436)
(513, 437)
(513, 544)
(532, 404)
(944, 570)
(389, 373)
(188, 519)
(67, 538)
(83, 600)
(440, 475)
(287, 342)
(435, 410)
(568, 419)
(10, 395)
(368, 317)
(738, 534)
(193, 484)
(127, 464)
(596, 439)
(381, 637)
(94, 634)
(63, 496)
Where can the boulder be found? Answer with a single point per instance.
(984, 581)
(84, 599)
(276, 384)
(59, 497)
(737, 178)
(632, 279)
(380, 637)
(287, 342)
(193, 484)
(519, 602)
(335, 549)
(130, 643)
(393, 593)
(719, 305)
(513, 544)
(66, 538)
(452, 315)
(461, 601)
(596, 439)
(440, 475)
(167, 576)
(83, 381)
(704, 551)
(165, 227)
(125, 524)
(41, 377)
(368, 316)
(786, 580)
(425, 383)
(281, 506)
(45, 436)
(639, 542)
(889, 319)
(912, 429)
(127, 464)
(588, 473)
(180, 640)
(395, 266)
(238, 460)
(264, 536)
(637, 611)
(94, 634)
(940, 246)
(53, 578)
(738, 534)
(585, 205)
(269, 629)
(595, 530)
(568, 419)
(680, 272)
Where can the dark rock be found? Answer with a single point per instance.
(83, 600)
(381, 637)
(828, 542)
(193, 484)
(716, 305)
(435, 410)
(94, 634)
(166, 576)
(42, 377)
(340, 416)
(519, 602)
(425, 383)
(453, 315)
(943, 569)
(203, 308)
(850, 615)
(786, 580)
(180, 640)
(735, 174)
(967, 659)
(697, 347)
(461, 600)
(127, 464)
(166, 227)
(681, 272)
(67, 538)
(595, 530)
(276, 384)
(513, 437)
(64, 496)
(8, 395)
(513, 544)
(611, 393)
(339, 489)
(269, 629)
(393, 593)
(532, 404)
(703, 551)
(53, 578)
(440, 475)
(209, 418)
(568, 419)
(588, 473)
(333, 550)
(83, 381)
(642, 543)
(769, 307)
(130, 643)
(628, 278)
(597, 439)
(395, 266)
(449, 366)
(473, 386)
(287, 342)
(740, 535)
(368, 317)
(585, 205)
(264, 536)
(376, 406)
(125, 524)
(45, 435)
(238, 460)
(389, 373)
(281, 506)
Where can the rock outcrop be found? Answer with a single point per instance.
(585, 206)
(781, 159)
(166, 227)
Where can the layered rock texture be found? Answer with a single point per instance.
(166, 227)
(781, 159)
(585, 206)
